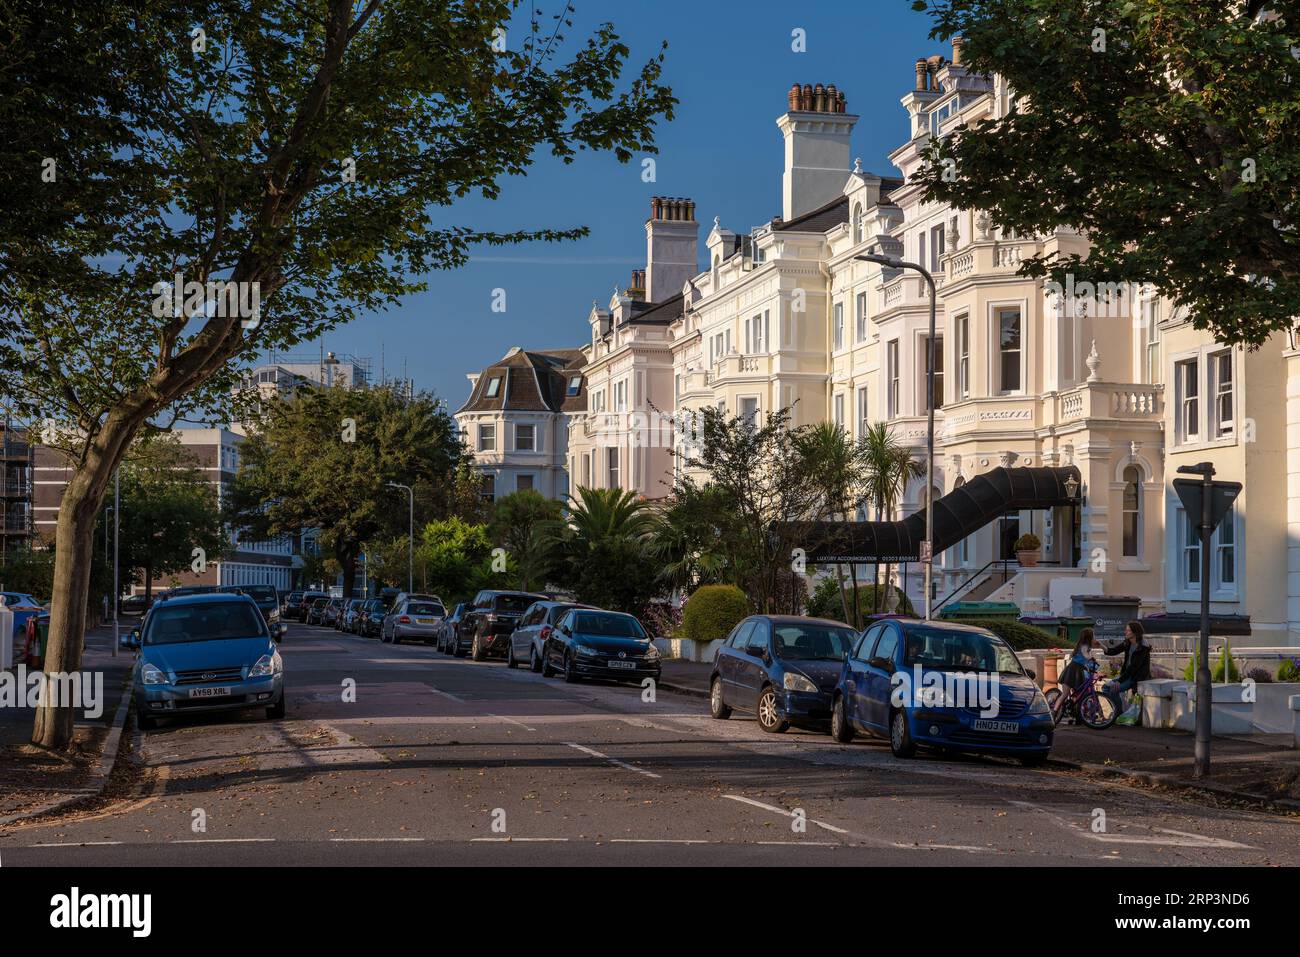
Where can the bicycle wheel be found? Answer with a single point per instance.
(1053, 697)
(1099, 710)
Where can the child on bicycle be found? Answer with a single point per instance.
(1076, 671)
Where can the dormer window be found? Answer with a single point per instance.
(493, 387)
(575, 385)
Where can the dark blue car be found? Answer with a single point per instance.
(591, 643)
(943, 685)
(781, 668)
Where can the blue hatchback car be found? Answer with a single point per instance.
(212, 652)
(781, 668)
(943, 685)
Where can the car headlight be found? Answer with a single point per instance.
(652, 654)
(265, 666)
(151, 675)
(586, 650)
(1039, 705)
(794, 681)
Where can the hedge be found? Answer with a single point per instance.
(712, 611)
(825, 600)
(1017, 634)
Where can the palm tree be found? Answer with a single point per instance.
(600, 551)
(835, 464)
(607, 513)
(889, 466)
(686, 535)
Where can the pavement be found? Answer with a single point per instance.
(401, 755)
(33, 779)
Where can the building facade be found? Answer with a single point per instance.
(17, 456)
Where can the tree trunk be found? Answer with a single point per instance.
(348, 560)
(148, 583)
(857, 604)
(82, 499)
(844, 602)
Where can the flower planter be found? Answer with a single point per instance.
(1027, 559)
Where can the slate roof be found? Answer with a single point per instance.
(530, 381)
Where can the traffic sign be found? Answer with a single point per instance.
(1222, 495)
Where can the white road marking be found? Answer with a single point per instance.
(1179, 839)
(799, 843)
(614, 761)
(227, 840)
(781, 810)
(518, 840)
(79, 844)
(654, 840)
(501, 717)
(375, 840)
(446, 694)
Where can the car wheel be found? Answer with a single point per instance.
(534, 663)
(146, 722)
(900, 736)
(276, 711)
(476, 648)
(717, 707)
(547, 670)
(841, 730)
(397, 638)
(570, 672)
(510, 655)
(769, 717)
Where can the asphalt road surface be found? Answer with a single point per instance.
(446, 761)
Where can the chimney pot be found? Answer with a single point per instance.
(921, 70)
(806, 100)
(793, 97)
(956, 50)
(819, 99)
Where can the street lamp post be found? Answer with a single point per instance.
(117, 526)
(410, 543)
(896, 262)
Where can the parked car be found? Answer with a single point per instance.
(986, 701)
(413, 618)
(593, 643)
(23, 606)
(184, 591)
(415, 596)
(781, 668)
(212, 652)
(490, 619)
(370, 623)
(351, 612)
(316, 611)
(529, 637)
(289, 607)
(135, 604)
(305, 604)
(447, 641)
(330, 615)
(265, 597)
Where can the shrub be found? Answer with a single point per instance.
(712, 611)
(1224, 671)
(1261, 676)
(1027, 542)
(1017, 634)
(662, 619)
(1289, 670)
(825, 600)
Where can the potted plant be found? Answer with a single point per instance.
(1026, 548)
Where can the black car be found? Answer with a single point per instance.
(370, 620)
(289, 609)
(592, 643)
(490, 619)
(306, 600)
(781, 668)
(265, 597)
(446, 640)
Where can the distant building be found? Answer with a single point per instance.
(16, 455)
(283, 377)
(514, 420)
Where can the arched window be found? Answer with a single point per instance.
(857, 222)
(1132, 511)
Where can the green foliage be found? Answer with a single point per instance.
(454, 558)
(1289, 670)
(825, 601)
(687, 538)
(305, 466)
(28, 570)
(712, 611)
(524, 524)
(1175, 148)
(1017, 634)
(1224, 666)
(1028, 542)
(600, 555)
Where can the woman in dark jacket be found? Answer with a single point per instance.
(1137, 659)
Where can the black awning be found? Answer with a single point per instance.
(960, 513)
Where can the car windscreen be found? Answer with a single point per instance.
(425, 608)
(607, 626)
(259, 592)
(513, 603)
(947, 650)
(805, 642)
(175, 624)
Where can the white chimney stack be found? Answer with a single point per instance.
(671, 236)
(816, 130)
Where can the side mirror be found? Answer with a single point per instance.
(278, 631)
(884, 664)
(1031, 672)
(132, 639)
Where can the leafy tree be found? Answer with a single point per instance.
(762, 472)
(521, 524)
(837, 464)
(299, 149)
(28, 570)
(457, 558)
(687, 537)
(169, 509)
(324, 458)
(1167, 131)
(601, 554)
(888, 467)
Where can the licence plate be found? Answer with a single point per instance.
(426, 621)
(1002, 727)
(209, 692)
(630, 665)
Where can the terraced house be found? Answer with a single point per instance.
(1110, 380)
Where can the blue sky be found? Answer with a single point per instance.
(730, 64)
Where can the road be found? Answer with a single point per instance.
(440, 760)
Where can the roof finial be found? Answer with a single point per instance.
(857, 165)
